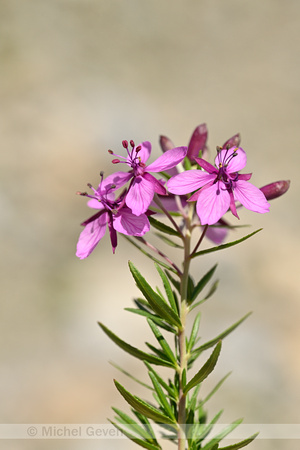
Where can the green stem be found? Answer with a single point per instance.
(181, 333)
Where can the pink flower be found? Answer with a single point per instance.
(143, 185)
(112, 212)
(220, 186)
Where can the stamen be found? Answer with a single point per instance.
(125, 144)
(116, 161)
(132, 143)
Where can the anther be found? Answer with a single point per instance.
(125, 144)
(138, 149)
(115, 161)
(110, 152)
(132, 143)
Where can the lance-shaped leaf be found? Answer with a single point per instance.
(240, 444)
(162, 342)
(135, 439)
(168, 289)
(210, 445)
(194, 333)
(205, 370)
(210, 293)
(163, 227)
(221, 336)
(129, 375)
(135, 351)
(162, 397)
(223, 246)
(168, 241)
(133, 426)
(173, 393)
(156, 302)
(144, 407)
(213, 391)
(159, 322)
(202, 283)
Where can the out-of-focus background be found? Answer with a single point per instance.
(77, 77)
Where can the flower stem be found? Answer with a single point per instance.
(181, 333)
(159, 203)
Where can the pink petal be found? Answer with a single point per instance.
(127, 223)
(118, 179)
(168, 160)
(236, 163)
(145, 151)
(251, 197)
(95, 204)
(189, 181)
(90, 236)
(213, 202)
(158, 186)
(206, 165)
(216, 234)
(140, 195)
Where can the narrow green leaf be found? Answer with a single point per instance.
(159, 322)
(168, 289)
(202, 283)
(200, 431)
(133, 426)
(169, 389)
(133, 350)
(240, 444)
(213, 391)
(175, 283)
(143, 407)
(163, 227)
(225, 333)
(194, 333)
(155, 301)
(145, 423)
(223, 246)
(168, 241)
(205, 370)
(162, 398)
(210, 293)
(161, 263)
(162, 342)
(138, 441)
(130, 376)
(222, 434)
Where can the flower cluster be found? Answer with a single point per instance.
(187, 175)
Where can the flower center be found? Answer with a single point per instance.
(133, 159)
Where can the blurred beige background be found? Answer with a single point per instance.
(77, 77)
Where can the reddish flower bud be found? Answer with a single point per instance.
(166, 143)
(276, 189)
(197, 142)
(234, 141)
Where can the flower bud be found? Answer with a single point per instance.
(276, 189)
(166, 143)
(234, 141)
(197, 142)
